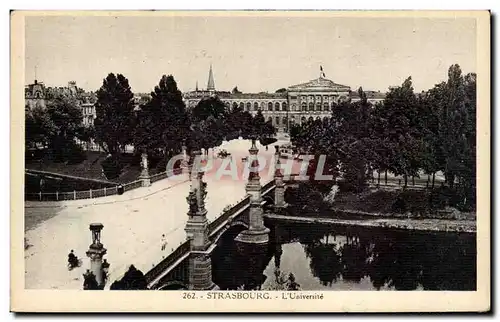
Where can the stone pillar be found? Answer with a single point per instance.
(279, 191)
(146, 179)
(200, 265)
(256, 233)
(96, 252)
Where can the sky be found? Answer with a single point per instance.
(254, 53)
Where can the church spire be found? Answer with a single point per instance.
(211, 82)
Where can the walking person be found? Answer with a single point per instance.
(163, 242)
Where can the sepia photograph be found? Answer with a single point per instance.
(284, 158)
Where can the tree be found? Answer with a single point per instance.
(432, 149)
(457, 133)
(61, 125)
(355, 145)
(208, 124)
(384, 149)
(162, 123)
(207, 107)
(235, 90)
(114, 122)
(281, 90)
(39, 127)
(400, 112)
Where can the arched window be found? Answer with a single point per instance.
(325, 106)
(318, 106)
(249, 106)
(255, 106)
(284, 106)
(303, 120)
(310, 119)
(277, 106)
(270, 106)
(242, 105)
(277, 120)
(311, 106)
(292, 119)
(325, 120)
(235, 105)
(294, 107)
(304, 106)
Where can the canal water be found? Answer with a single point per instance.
(318, 257)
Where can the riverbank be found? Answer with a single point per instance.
(441, 225)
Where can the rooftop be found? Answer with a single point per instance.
(319, 83)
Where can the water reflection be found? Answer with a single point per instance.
(315, 257)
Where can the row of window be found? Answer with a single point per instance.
(277, 106)
(312, 98)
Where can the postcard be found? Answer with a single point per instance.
(250, 161)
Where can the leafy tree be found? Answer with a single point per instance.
(207, 107)
(234, 123)
(281, 90)
(39, 127)
(61, 126)
(261, 128)
(208, 124)
(432, 149)
(354, 147)
(114, 121)
(235, 90)
(384, 149)
(400, 111)
(162, 123)
(457, 133)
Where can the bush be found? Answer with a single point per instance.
(416, 202)
(112, 167)
(74, 154)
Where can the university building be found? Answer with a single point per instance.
(297, 104)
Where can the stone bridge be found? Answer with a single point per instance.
(173, 271)
(189, 266)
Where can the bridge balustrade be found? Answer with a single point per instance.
(168, 261)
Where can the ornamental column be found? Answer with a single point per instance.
(279, 191)
(200, 264)
(256, 233)
(96, 252)
(144, 177)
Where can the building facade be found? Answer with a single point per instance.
(296, 104)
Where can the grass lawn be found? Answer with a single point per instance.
(90, 167)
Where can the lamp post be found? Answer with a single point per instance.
(96, 252)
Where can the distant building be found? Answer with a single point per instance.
(34, 95)
(297, 104)
(37, 95)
